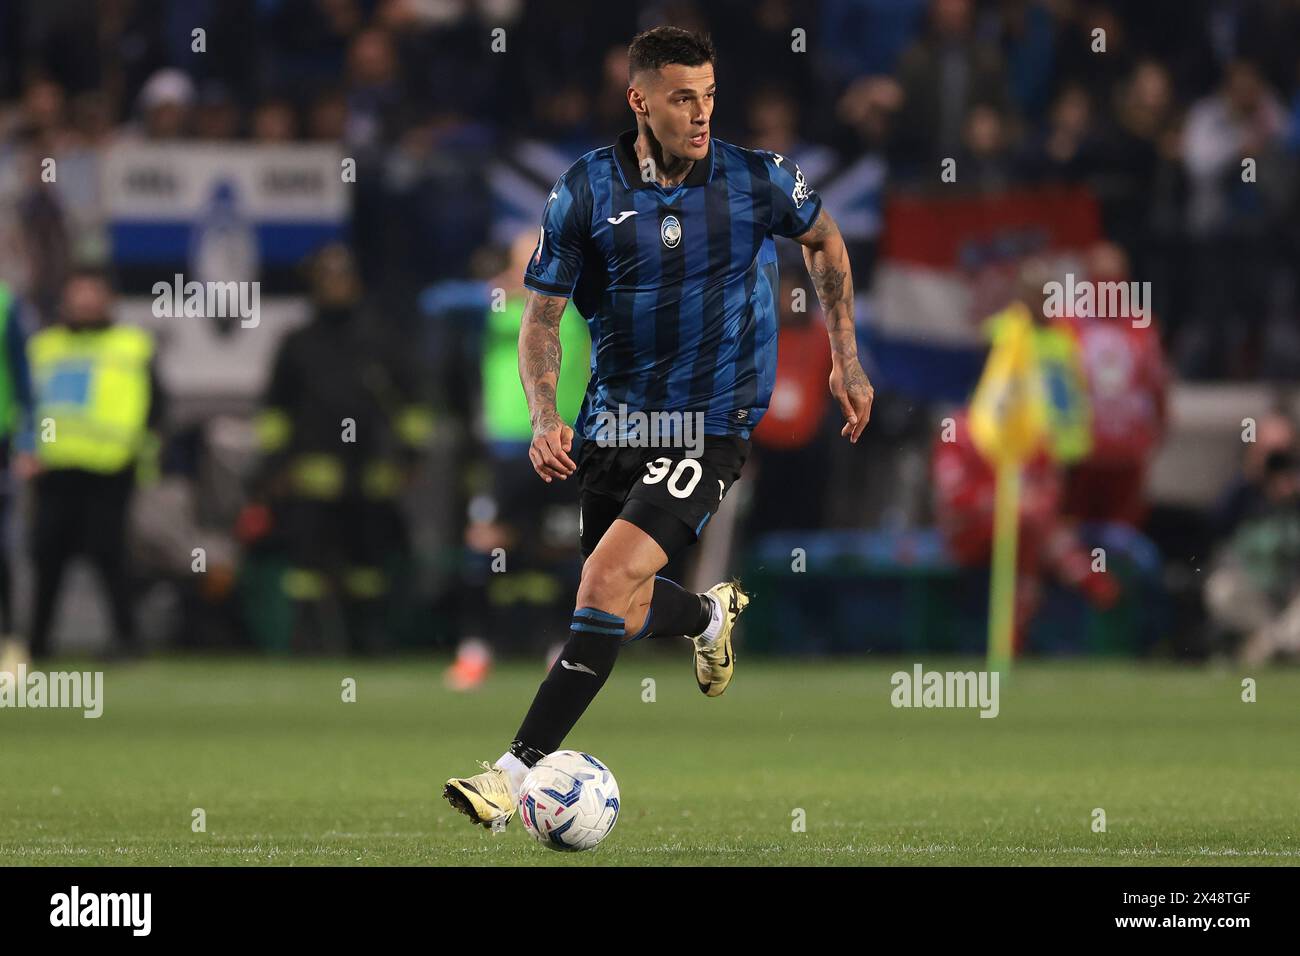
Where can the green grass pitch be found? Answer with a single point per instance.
(288, 773)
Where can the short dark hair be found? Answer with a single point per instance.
(661, 46)
(92, 271)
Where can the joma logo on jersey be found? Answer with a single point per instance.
(670, 230)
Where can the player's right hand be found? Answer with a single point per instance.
(549, 451)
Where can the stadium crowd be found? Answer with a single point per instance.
(447, 105)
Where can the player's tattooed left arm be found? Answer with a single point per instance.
(827, 259)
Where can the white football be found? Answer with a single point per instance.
(569, 801)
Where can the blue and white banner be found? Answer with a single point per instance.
(221, 211)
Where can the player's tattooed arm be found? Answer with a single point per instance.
(827, 259)
(539, 370)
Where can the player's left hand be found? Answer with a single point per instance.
(852, 389)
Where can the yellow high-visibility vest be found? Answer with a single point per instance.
(1069, 412)
(92, 395)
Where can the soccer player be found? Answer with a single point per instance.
(664, 241)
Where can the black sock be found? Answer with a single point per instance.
(577, 675)
(675, 612)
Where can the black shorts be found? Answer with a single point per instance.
(663, 491)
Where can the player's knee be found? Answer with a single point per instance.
(607, 587)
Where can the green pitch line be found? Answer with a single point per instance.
(287, 773)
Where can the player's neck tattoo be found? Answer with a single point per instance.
(668, 170)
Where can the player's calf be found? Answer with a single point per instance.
(671, 611)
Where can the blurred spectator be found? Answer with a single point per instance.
(97, 396)
(565, 115)
(1234, 217)
(309, 40)
(166, 104)
(42, 121)
(866, 37)
(342, 426)
(1068, 149)
(984, 160)
(1275, 435)
(1244, 120)
(1029, 34)
(1254, 590)
(944, 76)
(1094, 46)
(16, 439)
(1143, 134)
(58, 36)
(1141, 183)
(374, 93)
(40, 239)
(609, 107)
(869, 109)
(762, 50)
(328, 117)
(216, 115)
(274, 121)
(773, 119)
(1126, 385)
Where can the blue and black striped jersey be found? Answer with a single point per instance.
(678, 286)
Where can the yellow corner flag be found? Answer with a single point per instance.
(1008, 417)
(1008, 422)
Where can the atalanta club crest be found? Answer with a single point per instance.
(670, 230)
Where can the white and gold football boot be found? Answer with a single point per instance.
(715, 660)
(487, 798)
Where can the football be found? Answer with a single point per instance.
(569, 801)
